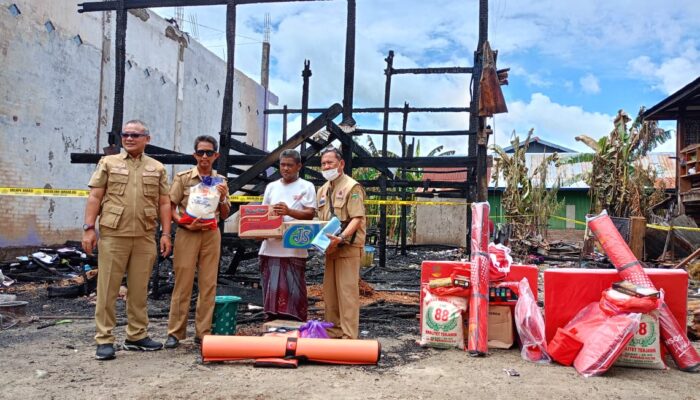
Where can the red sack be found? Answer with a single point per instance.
(564, 347)
(603, 336)
(630, 269)
(613, 302)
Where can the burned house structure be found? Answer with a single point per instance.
(486, 99)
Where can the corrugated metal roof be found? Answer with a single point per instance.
(569, 174)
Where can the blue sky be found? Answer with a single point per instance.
(573, 64)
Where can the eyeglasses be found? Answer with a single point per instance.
(331, 149)
(209, 153)
(126, 135)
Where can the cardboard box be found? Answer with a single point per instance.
(568, 290)
(299, 234)
(259, 221)
(500, 327)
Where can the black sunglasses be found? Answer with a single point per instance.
(209, 153)
(126, 135)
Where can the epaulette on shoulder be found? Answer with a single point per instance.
(185, 172)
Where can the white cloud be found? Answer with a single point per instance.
(589, 84)
(672, 73)
(553, 122)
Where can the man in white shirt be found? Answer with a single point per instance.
(283, 269)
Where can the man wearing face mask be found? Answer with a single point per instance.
(343, 197)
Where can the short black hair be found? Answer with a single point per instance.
(331, 149)
(291, 153)
(208, 139)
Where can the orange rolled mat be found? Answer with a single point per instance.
(331, 351)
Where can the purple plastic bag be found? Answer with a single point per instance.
(315, 329)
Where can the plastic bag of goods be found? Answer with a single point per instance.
(500, 261)
(604, 337)
(202, 202)
(442, 321)
(644, 350)
(530, 325)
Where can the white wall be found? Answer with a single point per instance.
(441, 224)
(56, 98)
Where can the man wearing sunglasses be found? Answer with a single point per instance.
(197, 247)
(129, 192)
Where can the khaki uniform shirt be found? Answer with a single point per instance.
(180, 189)
(133, 186)
(347, 199)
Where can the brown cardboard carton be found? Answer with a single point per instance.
(500, 327)
(259, 221)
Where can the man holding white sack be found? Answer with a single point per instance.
(282, 269)
(197, 244)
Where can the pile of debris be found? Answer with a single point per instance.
(69, 271)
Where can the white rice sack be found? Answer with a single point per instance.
(203, 201)
(442, 321)
(644, 350)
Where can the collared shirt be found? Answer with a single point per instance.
(132, 190)
(180, 189)
(345, 198)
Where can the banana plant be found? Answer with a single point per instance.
(617, 181)
(526, 201)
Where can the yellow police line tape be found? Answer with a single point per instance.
(42, 192)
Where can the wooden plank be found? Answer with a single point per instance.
(638, 229)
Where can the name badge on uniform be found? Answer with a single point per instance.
(322, 201)
(339, 195)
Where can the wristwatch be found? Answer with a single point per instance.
(87, 227)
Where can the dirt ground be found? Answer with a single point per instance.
(58, 363)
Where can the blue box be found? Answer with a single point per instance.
(321, 241)
(299, 234)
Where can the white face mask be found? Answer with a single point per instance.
(331, 174)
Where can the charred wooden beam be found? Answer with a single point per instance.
(370, 110)
(172, 159)
(414, 133)
(439, 70)
(273, 157)
(394, 162)
(112, 5)
(346, 139)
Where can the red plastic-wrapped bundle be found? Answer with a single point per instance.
(530, 325)
(478, 337)
(630, 269)
(603, 336)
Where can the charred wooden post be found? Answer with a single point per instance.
(404, 155)
(382, 179)
(476, 123)
(227, 111)
(349, 67)
(114, 139)
(305, 74)
(284, 123)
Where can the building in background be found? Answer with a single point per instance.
(56, 98)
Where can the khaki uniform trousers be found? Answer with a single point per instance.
(198, 250)
(341, 293)
(133, 256)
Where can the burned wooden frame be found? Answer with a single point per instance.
(475, 188)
